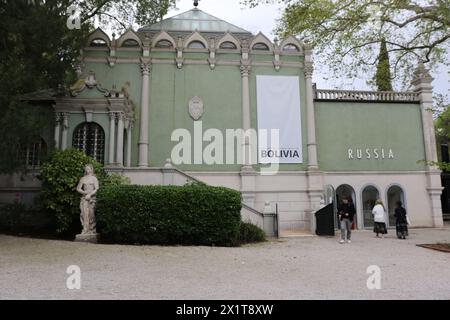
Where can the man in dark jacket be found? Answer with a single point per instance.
(346, 212)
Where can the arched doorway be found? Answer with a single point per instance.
(370, 195)
(394, 194)
(346, 191)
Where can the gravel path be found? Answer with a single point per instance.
(301, 268)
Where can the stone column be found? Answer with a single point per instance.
(120, 129)
(129, 136)
(314, 176)
(310, 114)
(112, 130)
(248, 175)
(145, 101)
(246, 123)
(57, 130)
(65, 127)
(422, 83)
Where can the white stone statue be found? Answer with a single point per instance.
(88, 187)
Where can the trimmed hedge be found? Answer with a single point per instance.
(60, 175)
(249, 233)
(17, 219)
(190, 215)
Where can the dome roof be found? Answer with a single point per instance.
(194, 20)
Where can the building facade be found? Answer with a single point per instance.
(201, 75)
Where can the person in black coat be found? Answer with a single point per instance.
(401, 222)
(346, 213)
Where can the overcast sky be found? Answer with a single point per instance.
(264, 19)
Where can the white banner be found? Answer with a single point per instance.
(278, 107)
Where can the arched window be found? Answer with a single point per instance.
(164, 44)
(228, 45)
(394, 194)
(130, 43)
(196, 45)
(90, 138)
(370, 195)
(98, 43)
(345, 191)
(261, 47)
(291, 47)
(32, 154)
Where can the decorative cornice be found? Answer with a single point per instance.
(90, 82)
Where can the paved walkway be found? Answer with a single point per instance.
(303, 268)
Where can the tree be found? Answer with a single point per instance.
(347, 32)
(38, 51)
(441, 111)
(383, 74)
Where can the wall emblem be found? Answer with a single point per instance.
(196, 108)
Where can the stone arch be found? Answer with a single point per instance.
(394, 192)
(229, 38)
(261, 38)
(195, 37)
(291, 41)
(370, 193)
(89, 137)
(163, 35)
(99, 34)
(128, 35)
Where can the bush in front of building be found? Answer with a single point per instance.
(250, 233)
(17, 219)
(194, 214)
(60, 175)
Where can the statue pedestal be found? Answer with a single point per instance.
(89, 238)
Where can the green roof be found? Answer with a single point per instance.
(193, 20)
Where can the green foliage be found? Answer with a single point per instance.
(38, 52)
(169, 215)
(383, 74)
(60, 176)
(442, 128)
(17, 219)
(442, 125)
(346, 33)
(116, 179)
(249, 233)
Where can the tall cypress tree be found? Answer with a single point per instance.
(383, 74)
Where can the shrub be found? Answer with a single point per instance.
(189, 215)
(249, 233)
(17, 219)
(60, 175)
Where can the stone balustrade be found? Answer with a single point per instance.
(321, 94)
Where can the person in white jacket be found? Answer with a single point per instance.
(379, 216)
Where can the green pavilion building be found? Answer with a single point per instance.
(141, 97)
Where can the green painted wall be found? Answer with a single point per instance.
(355, 125)
(170, 92)
(340, 125)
